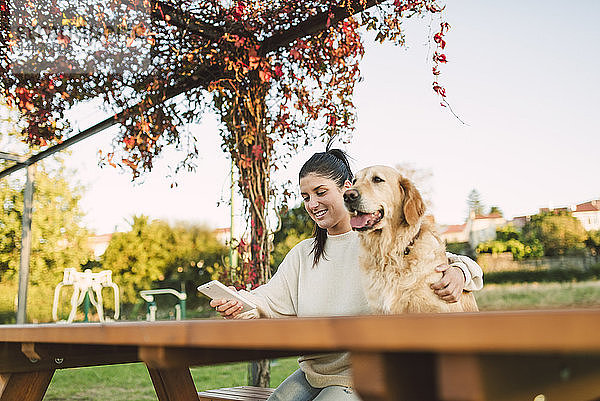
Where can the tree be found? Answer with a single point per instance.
(593, 241)
(507, 232)
(155, 255)
(496, 210)
(138, 257)
(420, 177)
(474, 203)
(558, 233)
(296, 226)
(273, 71)
(281, 71)
(59, 239)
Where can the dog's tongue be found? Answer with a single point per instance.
(362, 220)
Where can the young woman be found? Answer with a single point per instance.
(321, 277)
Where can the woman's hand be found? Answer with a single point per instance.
(450, 287)
(228, 309)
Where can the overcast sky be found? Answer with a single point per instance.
(522, 75)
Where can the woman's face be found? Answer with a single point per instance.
(324, 202)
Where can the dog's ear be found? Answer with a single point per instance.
(414, 207)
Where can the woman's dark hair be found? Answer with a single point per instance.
(332, 164)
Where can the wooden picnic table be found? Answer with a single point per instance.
(467, 357)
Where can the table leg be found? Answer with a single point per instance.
(391, 376)
(173, 384)
(29, 386)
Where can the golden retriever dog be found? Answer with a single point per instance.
(399, 248)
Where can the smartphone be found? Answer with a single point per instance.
(217, 290)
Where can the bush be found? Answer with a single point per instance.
(539, 276)
(460, 248)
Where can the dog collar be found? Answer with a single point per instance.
(411, 243)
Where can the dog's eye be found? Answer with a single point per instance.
(354, 181)
(378, 179)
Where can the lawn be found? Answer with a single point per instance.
(539, 296)
(131, 382)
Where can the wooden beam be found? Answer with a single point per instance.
(29, 386)
(99, 127)
(171, 357)
(185, 21)
(313, 25)
(394, 377)
(62, 356)
(173, 384)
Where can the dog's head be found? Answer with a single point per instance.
(381, 197)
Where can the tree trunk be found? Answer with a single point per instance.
(251, 150)
(259, 373)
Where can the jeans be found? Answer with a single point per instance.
(296, 388)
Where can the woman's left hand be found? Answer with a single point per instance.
(450, 287)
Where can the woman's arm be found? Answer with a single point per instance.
(471, 270)
(461, 274)
(277, 298)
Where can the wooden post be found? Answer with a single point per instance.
(25, 245)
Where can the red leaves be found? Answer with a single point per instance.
(439, 89)
(330, 16)
(131, 164)
(129, 142)
(439, 58)
(64, 40)
(277, 70)
(109, 159)
(264, 75)
(253, 59)
(437, 38)
(257, 151)
(244, 162)
(295, 53)
(238, 11)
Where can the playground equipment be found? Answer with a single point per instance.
(86, 283)
(148, 296)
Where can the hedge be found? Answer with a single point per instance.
(543, 276)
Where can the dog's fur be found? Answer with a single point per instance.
(399, 248)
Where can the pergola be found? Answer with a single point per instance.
(310, 26)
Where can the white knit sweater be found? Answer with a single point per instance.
(330, 288)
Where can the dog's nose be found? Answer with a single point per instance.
(351, 195)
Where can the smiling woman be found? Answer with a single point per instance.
(322, 202)
(323, 180)
(320, 276)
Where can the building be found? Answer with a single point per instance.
(482, 228)
(222, 235)
(588, 214)
(99, 243)
(478, 228)
(455, 233)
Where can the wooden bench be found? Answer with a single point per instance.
(242, 393)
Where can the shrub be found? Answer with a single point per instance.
(550, 275)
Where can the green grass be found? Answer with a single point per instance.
(131, 382)
(539, 296)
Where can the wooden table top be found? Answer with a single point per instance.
(576, 330)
